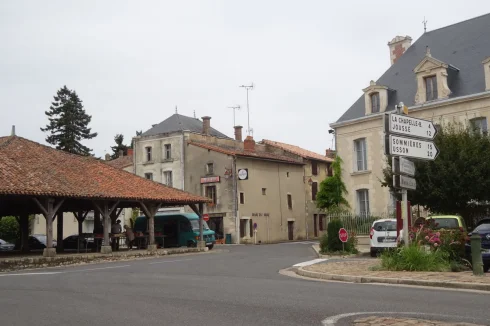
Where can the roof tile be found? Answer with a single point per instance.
(297, 150)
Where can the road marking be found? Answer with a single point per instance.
(95, 269)
(310, 262)
(334, 319)
(303, 242)
(169, 261)
(31, 274)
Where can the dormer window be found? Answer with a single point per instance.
(432, 79)
(376, 98)
(430, 88)
(375, 102)
(486, 71)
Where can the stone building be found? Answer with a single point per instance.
(444, 77)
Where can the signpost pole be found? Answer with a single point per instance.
(404, 207)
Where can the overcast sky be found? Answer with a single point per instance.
(132, 62)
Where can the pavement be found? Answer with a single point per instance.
(240, 285)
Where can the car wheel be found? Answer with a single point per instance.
(191, 244)
(373, 253)
(486, 268)
(210, 247)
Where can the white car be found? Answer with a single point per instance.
(382, 236)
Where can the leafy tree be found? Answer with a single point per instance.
(332, 190)
(68, 123)
(119, 139)
(457, 181)
(10, 228)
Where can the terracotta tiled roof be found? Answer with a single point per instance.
(121, 162)
(298, 151)
(254, 154)
(29, 168)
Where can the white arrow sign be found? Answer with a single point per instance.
(404, 125)
(410, 147)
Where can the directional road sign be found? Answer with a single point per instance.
(402, 165)
(408, 126)
(401, 181)
(410, 147)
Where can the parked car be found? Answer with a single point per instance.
(382, 235)
(36, 242)
(6, 246)
(447, 222)
(484, 232)
(71, 242)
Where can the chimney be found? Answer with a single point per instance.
(249, 144)
(121, 153)
(107, 157)
(130, 152)
(398, 46)
(13, 131)
(238, 133)
(206, 125)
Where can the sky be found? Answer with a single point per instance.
(133, 62)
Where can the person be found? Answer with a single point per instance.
(116, 229)
(129, 237)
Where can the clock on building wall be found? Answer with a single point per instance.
(242, 174)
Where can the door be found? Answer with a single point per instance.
(315, 225)
(290, 230)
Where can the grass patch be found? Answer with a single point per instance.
(415, 259)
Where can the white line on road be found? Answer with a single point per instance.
(169, 261)
(303, 242)
(95, 269)
(31, 274)
(310, 262)
(334, 319)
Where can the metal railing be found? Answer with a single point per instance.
(358, 223)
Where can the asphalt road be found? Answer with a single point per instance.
(237, 286)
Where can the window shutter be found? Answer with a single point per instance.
(364, 142)
(314, 190)
(428, 86)
(434, 87)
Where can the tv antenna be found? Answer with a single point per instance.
(425, 24)
(236, 107)
(248, 88)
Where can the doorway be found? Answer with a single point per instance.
(216, 224)
(290, 230)
(315, 225)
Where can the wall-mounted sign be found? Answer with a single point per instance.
(210, 179)
(260, 214)
(243, 174)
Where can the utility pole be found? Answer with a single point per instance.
(236, 107)
(248, 87)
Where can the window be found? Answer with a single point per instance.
(209, 168)
(479, 125)
(314, 190)
(168, 151)
(430, 88)
(149, 176)
(211, 193)
(148, 154)
(264, 191)
(363, 202)
(314, 168)
(290, 201)
(375, 103)
(242, 198)
(329, 170)
(167, 178)
(360, 155)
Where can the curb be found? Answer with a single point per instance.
(319, 255)
(398, 281)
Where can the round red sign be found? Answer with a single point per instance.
(343, 235)
(205, 217)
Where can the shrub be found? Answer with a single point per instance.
(9, 229)
(333, 241)
(324, 243)
(415, 258)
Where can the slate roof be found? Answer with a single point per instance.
(250, 154)
(121, 162)
(297, 150)
(463, 45)
(29, 168)
(179, 122)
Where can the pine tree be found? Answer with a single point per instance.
(119, 139)
(68, 123)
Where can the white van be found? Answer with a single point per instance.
(383, 235)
